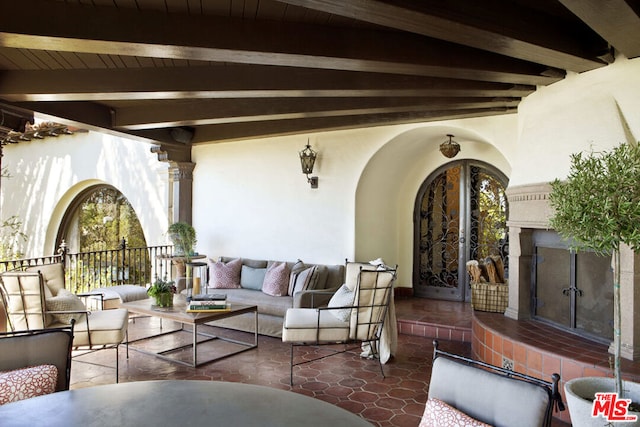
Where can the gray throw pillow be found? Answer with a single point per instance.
(300, 281)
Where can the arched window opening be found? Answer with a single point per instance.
(99, 219)
(105, 243)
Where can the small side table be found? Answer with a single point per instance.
(197, 272)
(179, 262)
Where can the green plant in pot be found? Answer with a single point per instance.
(162, 291)
(598, 208)
(183, 236)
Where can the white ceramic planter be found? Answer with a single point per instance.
(579, 389)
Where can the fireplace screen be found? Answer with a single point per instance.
(573, 290)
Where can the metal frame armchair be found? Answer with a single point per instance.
(491, 394)
(360, 321)
(37, 299)
(22, 349)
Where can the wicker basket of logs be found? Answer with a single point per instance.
(489, 290)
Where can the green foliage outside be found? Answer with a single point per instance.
(10, 238)
(598, 208)
(183, 236)
(492, 221)
(105, 218)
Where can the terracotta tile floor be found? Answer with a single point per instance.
(345, 380)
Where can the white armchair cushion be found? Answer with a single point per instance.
(53, 275)
(301, 325)
(26, 305)
(107, 327)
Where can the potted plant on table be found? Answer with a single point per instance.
(162, 291)
(183, 236)
(598, 208)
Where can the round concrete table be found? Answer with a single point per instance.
(176, 403)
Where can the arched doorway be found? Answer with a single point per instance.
(460, 214)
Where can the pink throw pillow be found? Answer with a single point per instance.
(28, 382)
(276, 280)
(439, 414)
(226, 276)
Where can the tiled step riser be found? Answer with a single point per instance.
(430, 330)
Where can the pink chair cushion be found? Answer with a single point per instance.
(28, 382)
(439, 414)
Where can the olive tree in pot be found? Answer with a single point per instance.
(183, 236)
(598, 208)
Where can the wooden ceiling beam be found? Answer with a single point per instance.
(96, 117)
(234, 81)
(65, 27)
(494, 29)
(614, 20)
(199, 113)
(240, 131)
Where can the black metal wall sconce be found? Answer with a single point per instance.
(307, 160)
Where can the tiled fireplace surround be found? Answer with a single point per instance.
(514, 340)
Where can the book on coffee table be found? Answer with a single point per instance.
(207, 308)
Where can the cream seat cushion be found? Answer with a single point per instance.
(301, 325)
(107, 327)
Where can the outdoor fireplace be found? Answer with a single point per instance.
(571, 290)
(574, 291)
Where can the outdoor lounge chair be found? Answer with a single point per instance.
(356, 314)
(38, 299)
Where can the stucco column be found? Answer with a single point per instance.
(629, 300)
(180, 191)
(520, 253)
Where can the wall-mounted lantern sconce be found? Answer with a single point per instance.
(307, 160)
(450, 148)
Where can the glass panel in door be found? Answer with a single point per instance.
(461, 214)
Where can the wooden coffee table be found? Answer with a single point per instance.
(178, 313)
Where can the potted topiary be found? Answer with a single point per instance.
(183, 236)
(598, 208)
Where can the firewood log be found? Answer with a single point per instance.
(474, 270)
(497, 260)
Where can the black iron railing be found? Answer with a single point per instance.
(97, 269)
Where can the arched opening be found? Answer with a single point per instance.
(460, 215)
(98, 219)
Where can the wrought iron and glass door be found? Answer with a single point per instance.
(460, 215)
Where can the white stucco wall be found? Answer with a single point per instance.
(251, 199)
(584, 111)
(48, 174)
